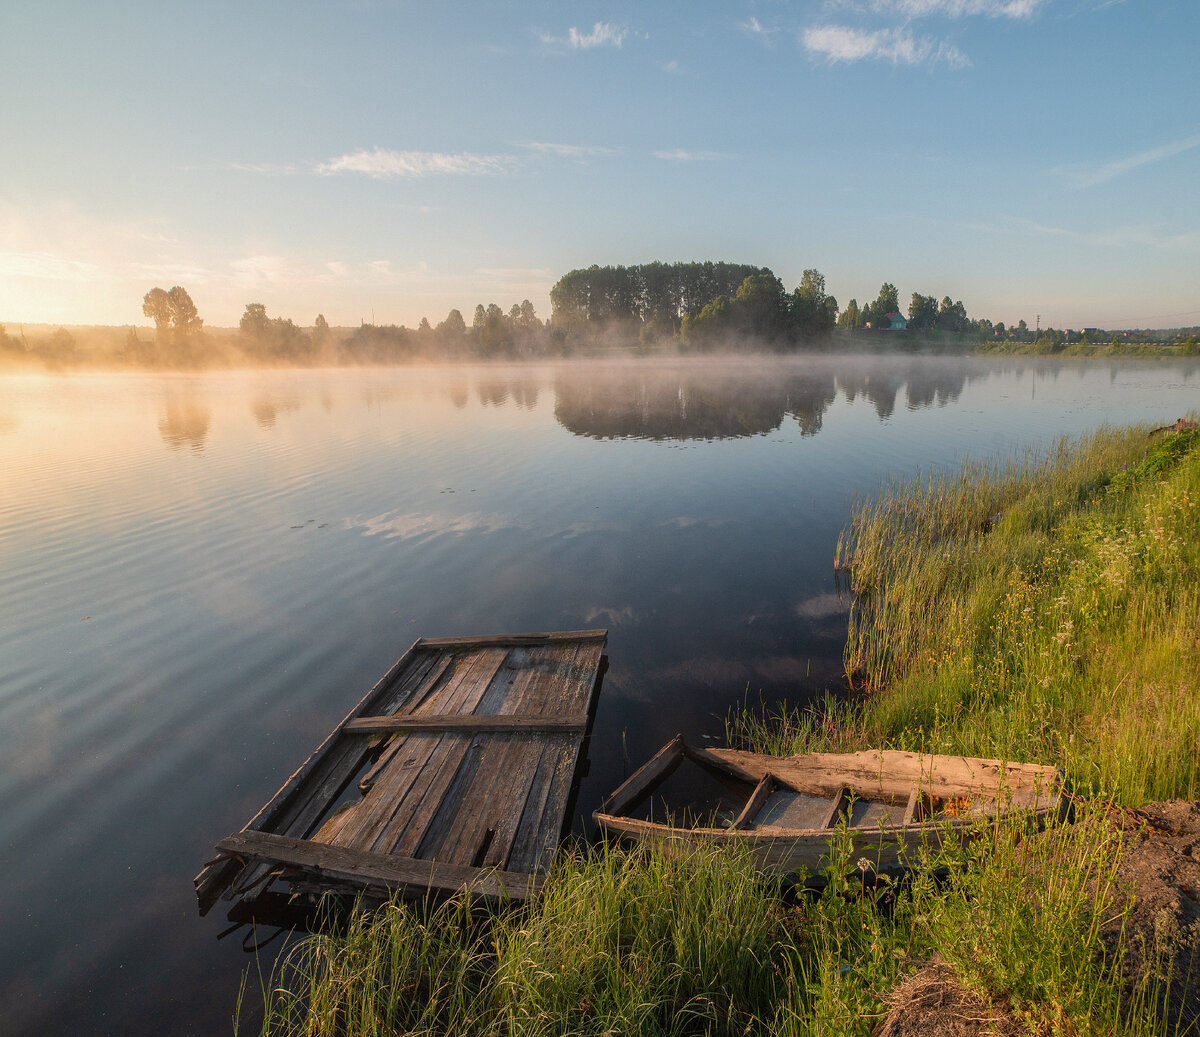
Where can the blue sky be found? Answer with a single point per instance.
(391, 160)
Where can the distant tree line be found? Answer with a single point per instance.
(653, 307)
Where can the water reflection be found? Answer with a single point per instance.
(680, 403)
(267, 408)
(710, 402)
(670, 400)
(493, 392)
(184, 422)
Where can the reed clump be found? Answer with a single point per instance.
(1042, 610)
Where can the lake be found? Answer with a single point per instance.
(203, 572)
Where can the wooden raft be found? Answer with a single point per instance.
(454, 772)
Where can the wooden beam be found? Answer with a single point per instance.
(363, 868)
(761, 793)
(493, 640)
(642, 781)
(472, 722)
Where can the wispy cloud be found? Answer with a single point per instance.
(48, 266)
(686, 155)
(1083, 176)
(602, 34)
(569, 150)
(959, 8)
(753, 27)
(841, 43)
(1131, 235)
(382, 163)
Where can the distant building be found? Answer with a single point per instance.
(895, 322)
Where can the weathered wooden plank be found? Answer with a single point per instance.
(884, 773)
(439, 803)
(642, 781)
(493, 806)
(716, 762)
(471, 722)
(361, 868)
(761, 793)
(473, 672)
(409, 772)
(562, 682)
(546, 688)
(516, 639)
(412, 817)
(910, 811)
(554, 819)
(517, 824)
(455, 834)
(499, 691)
(435, 673)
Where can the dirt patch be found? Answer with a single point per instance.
(933, 1003)
(1159, 876)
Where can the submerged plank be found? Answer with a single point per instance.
(470, 722)
(598, 635)
(361, 868)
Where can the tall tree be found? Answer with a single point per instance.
(156, 305)
(813, 311)
(762, 306)
(888, 301)
(185, 320)
(922, 312)
(176, 322)
(952, 316)
(850, 317)
(452, 331)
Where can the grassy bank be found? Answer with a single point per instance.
(1043, 611)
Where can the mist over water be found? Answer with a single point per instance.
(203, 572)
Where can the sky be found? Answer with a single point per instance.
(386, 160)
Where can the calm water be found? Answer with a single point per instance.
(202, 573)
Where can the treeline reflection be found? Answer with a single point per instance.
(726, 402)
(650, 399)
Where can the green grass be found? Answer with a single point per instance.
(1043, 611)
(641, 942)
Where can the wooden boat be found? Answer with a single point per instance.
(889, 803)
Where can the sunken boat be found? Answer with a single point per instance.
(457, 771)
(785, 811)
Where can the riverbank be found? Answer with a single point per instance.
(1044, 611)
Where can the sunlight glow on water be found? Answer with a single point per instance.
(202, 573)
